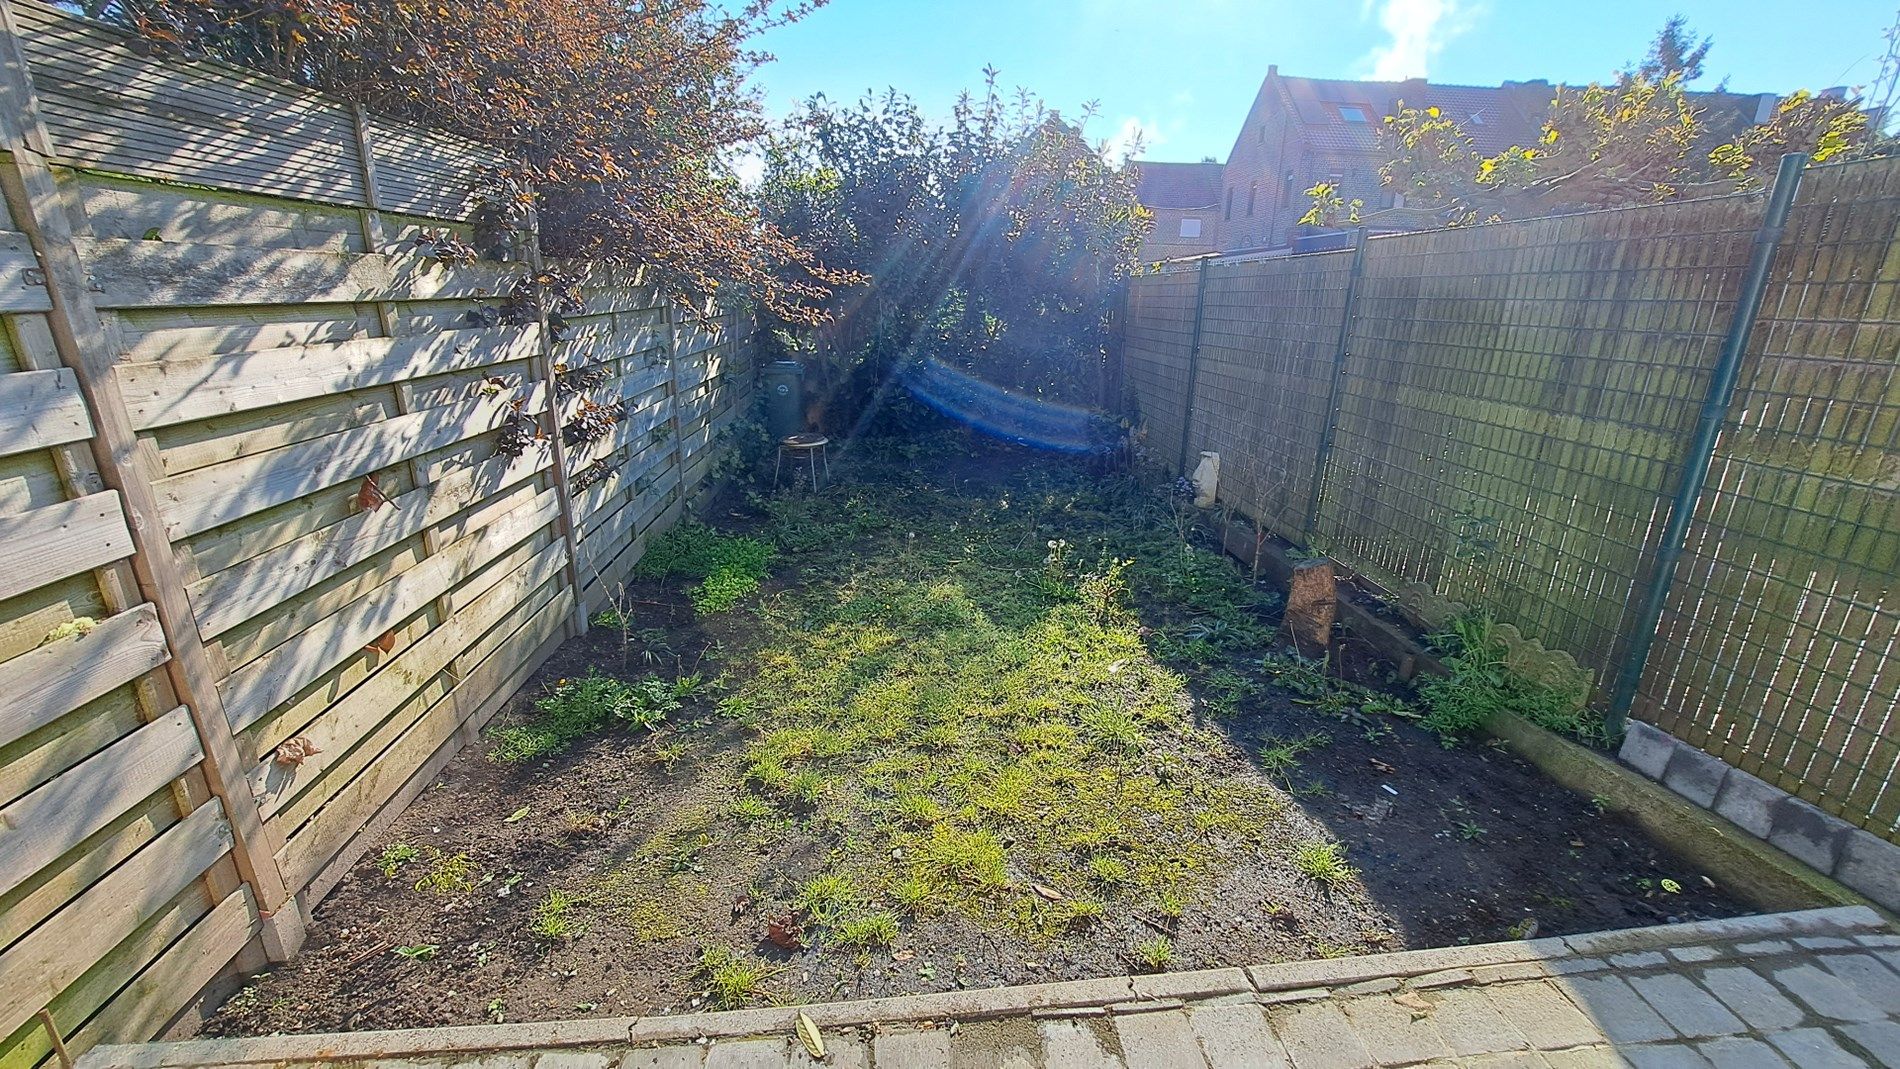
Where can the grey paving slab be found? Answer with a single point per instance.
(1006, 1043)
(1824, 993)
(1393, 1033)
(1664, 1056)
(1880, 1039)
(1871, 979)
(1469, 1023)
(1076, 1043)
(775, 1053)
(1160, 1040)
(1617, 1009)
(1544, 1016)
(1741, 1052)
(1813, 1046)
(1689, 1009)
(1316, 1035)
(907, 1048)
(1604, 1057)
(679, 1056)
(1236, 1037)
(1752, 998)
(843, 1050)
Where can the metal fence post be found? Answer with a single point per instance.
(1194, 362)
(1695, 466)
(1340, 351)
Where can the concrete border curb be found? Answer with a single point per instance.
(1485, 963)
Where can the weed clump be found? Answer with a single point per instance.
(733, 979)
(554, 920)
(575, 707)
(1483, 684)
(728, 568)
(1324, 863)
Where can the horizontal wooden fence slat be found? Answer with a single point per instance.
(40, 409)
(203, 499)
(179, 391)
(252, 692)
(54, 541)
(53, 819)
(156, 274)
(44, 684)
(37, 968)
(230, 597)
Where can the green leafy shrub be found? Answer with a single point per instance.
(1482, 684)
(729, 567)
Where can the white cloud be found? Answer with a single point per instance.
(1134, 136)
(1418, 30)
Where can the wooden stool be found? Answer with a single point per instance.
(807, 447)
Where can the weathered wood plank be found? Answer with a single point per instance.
(178, 391)
(45, 684)
(336, 823)
(158, 274)
(343, 726)
(40, 409)
(39, 967)
(256, 689)
(230, 597)
(53, 819)
(200, 500)
(55, 541)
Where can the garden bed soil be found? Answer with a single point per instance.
(650, 840)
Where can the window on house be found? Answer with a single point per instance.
(1230, 203)
(1190, 228)
(1354, 113)
(1253, 191)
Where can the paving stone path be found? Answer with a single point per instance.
(1812, 990)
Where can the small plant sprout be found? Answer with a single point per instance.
(733, 980)
(554, 920)
(497, 1011)
(1155, 954)
(1108, 870)
(395, 856)
(419, 951)
(1323, 863)
(1470, 830)
(449, 874)
(867, 930)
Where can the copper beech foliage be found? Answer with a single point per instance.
(618, 111)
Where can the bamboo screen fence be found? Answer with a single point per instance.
(1501, 415)
(221, 353)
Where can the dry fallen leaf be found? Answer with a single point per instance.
(369, 496)
(784, 931)
(1381, 765)
(1049, 893)
(384, 642)
(808, 1034)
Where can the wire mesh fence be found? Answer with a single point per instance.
(1777, 649)
(1514, 409)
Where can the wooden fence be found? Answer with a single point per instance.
(1498, 417)
(271, 479)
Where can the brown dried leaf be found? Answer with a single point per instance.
(383, 642)
(369, 496)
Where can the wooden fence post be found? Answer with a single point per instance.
(1193, 361)
(1340, 351)
(85, 345)
(544, 368)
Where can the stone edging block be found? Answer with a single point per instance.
(1863, 861)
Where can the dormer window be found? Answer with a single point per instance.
(1354, 113)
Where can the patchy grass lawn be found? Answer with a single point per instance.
(967, 718)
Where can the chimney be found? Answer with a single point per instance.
(1273, 70)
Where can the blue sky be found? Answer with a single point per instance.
(1185, 71)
